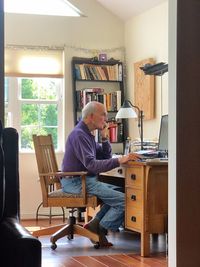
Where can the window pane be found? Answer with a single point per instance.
(54, 133)
(38, 119)
(39, 114)
(27, 133)
(26, 137)
(47, 89)
(36, 110)
(29, 89)
(39, 88)
(48, 115)
(30, 114)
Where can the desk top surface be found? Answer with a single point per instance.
(155, 161)
(119, 171)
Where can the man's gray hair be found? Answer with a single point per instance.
(89, 109)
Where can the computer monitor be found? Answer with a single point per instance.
(163, 135)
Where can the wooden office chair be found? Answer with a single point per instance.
(52, 195)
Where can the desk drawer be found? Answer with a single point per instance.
(134, 176)
(117, 172)
(134, 198)
(133, 219)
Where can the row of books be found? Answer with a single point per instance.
(98, 72)
(115, 132)
(111, 100)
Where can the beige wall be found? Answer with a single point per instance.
(146, 36)
(99, 30)
(172, 184)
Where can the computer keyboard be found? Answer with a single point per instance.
(152, 158)
(163, 159)
(149, 157)
(157, 160)
(153, 155)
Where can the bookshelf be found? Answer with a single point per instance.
(100, 81)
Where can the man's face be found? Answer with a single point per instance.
(99, 118)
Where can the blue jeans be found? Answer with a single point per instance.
(111, 214)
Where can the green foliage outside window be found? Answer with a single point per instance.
(39, 117)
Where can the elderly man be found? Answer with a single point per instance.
(83, 153)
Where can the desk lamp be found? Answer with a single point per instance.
(127, 111)
(157, 70)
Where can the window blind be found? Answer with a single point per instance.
(34, 62)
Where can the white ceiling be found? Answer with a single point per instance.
(125, 9)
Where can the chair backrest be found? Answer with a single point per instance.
(50, 181)
(46, 162)
(45, 153)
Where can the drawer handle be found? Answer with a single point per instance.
(133, 176)
(119, 171)
(133, 197)
(133, 219)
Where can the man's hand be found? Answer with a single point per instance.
(104, 132)
(131, 156)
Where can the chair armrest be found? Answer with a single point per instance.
(61, 174)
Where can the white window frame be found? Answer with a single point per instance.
(14, 109)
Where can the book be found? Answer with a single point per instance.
(88, 73)
(86, 95)
(82, 72)
(105, 70)
(93, 89)
(113, 132)
(77, 72)
(120, 72)
(100, 72)
(119, 99)
(120, 132)
(108, 102)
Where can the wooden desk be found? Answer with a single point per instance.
(146, 195)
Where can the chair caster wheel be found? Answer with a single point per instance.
(53, 246)
(97, 245)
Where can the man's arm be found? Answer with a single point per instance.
(104, 151)
(85, 150)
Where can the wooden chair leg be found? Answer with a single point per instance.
(67, 230)
(48, 230)
(70, 229)
(50, 215)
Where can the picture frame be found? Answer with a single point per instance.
(144, 89)
(102, 57)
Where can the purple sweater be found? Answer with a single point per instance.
(82, 153)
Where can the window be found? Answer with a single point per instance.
(42, 7)
(34, 95)
(34, 106)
